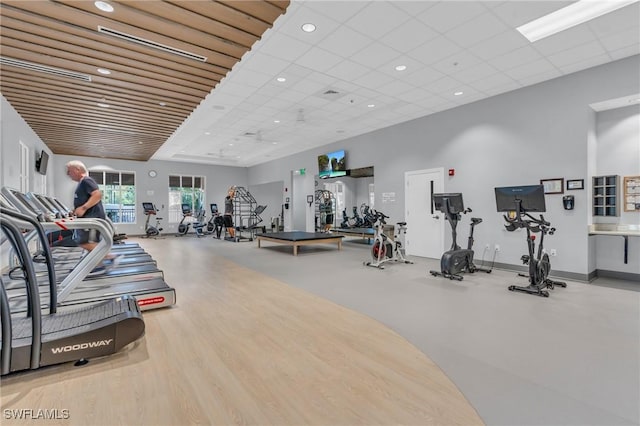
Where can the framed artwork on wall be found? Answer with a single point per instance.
(553, 186)
(575, 184)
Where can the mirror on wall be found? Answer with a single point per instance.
(351, 195)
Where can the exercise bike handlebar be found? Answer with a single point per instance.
(525, 220)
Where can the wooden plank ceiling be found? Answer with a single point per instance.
(149, 92)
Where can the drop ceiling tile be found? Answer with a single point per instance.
(587, 63)
(411, 64)
(444, 85)
(447, 15)
(564, 40)
(538, 78)
(394, 87)
(338, 10)
(625, 52)
(413, 7)
(476, 30)
(530, 69)
(456, 62)
(516, 58)
(621, 39)
(345, 42)
(299, 14)
(263, 63)
(614, 22)
(348, 70)
(434, 50)
(474, 73)
(409, 36)
(319, 60)
(422, 77)
(516, 13)
(577, 54)
(377, 19)
(491, 82)
(508, 87)
(375, 55)
(373, 80)
(285, 47)
(498, 45)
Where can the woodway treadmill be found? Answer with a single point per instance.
(80, 287)
(33, 339)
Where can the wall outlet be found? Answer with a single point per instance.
(487, 247)
(497, 247)
(553, 252)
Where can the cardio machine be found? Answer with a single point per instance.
(518, 201)
(183, 228)
(149, 230)
(456, 260)
(385, 249)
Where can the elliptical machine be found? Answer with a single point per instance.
(518, 201)
(456, 260)
(149, 230)
(384, 248)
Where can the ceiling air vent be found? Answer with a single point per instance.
(152, 44)
(43, 68)
(330, 93)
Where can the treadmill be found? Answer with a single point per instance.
(36, 339)
(80, 286)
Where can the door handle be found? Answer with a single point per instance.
(435, 216)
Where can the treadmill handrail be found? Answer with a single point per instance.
(7, 330)
(32, 283)
(51, 272)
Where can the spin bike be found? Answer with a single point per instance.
(384, 248)
(456, 260)
(149, 230)
(539, 264)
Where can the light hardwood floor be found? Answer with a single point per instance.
(243, 348)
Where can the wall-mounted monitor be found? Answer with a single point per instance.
(333, 164)
(41, 163)
(527, 198)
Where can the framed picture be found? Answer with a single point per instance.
(553, 186)
(575, 184)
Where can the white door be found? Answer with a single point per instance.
(425, 226)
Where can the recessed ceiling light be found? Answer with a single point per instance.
(370, 106)
(104, 71)
(275, 143)
(401, 67)
(207, 133)
(281, 79)
(103, 6)
(161, 103)
(458, 93)
(276, 121)
(103, 105)
(230, 144)
(140, 143)
(308, 27)
(567, 17)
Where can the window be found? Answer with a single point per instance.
(185, 190)
(118, 195)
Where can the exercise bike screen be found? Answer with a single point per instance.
(456, 205)
(530, 198)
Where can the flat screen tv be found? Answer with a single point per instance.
(529, 198)
(42, 162)
(333, 164)
(454, 201)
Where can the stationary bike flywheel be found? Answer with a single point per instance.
(378, 251)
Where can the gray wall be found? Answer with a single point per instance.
(517, 138)
(13, 130)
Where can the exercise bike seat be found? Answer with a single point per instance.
(401, 223)
(476, 220)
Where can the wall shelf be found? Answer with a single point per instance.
(605, 195)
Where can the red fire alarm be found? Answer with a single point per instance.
(452, 172)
